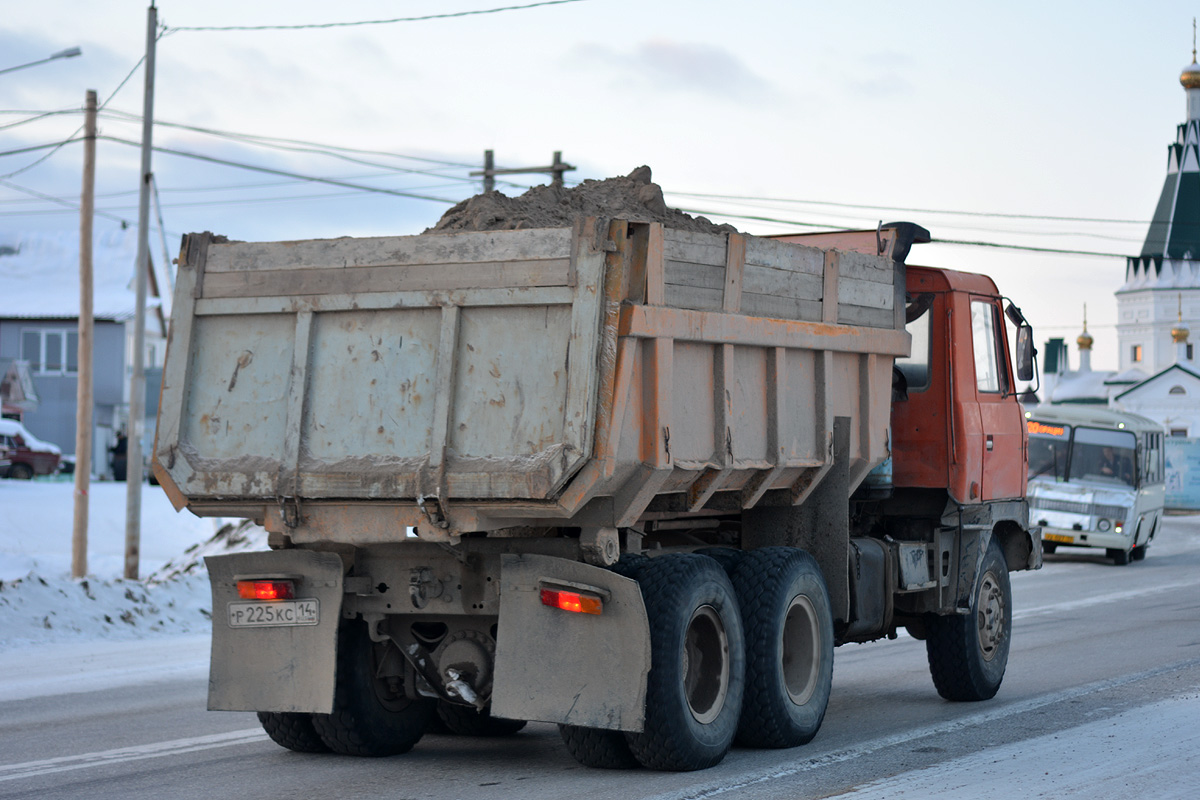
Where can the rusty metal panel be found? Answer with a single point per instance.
(487, 368)
(545, 655)
(374, 368)
(279, 667)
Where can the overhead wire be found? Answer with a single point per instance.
(78, 130)
(1003, 215)
(285, 173)
(59, 201)
(320, 25)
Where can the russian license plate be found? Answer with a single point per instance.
(1058, 537)
(256, 614)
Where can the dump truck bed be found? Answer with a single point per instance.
(591, 375)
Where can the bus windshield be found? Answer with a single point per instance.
(1048, 449)
(1101, 455)
(1064, 453)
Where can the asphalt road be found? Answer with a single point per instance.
(1101, 699)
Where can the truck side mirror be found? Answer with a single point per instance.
(1025, 353)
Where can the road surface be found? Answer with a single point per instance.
(1101, 700)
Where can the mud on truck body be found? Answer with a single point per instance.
(632, 480)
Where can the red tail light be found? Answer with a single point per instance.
(266, 590)
(572, 601)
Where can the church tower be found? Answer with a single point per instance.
(1166, 275)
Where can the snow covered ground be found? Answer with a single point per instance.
(40, 604)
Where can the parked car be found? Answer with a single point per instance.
(27, 455)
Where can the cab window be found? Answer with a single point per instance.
(988, 377)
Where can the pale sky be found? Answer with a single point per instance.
(910, 110)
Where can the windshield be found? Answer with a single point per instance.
(1048, 447)
(1100, 455)
(1062, 453)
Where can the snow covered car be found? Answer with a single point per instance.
(27, 454)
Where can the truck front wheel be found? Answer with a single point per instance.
(969, 653)
(697, 664)
(372, 715)
(788, 621)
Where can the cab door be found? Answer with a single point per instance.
(1001, 421)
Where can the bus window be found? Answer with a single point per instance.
(1106, 456)
(1048, 450)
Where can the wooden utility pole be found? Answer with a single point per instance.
(137, 384)
(489, 171)
(83, 357)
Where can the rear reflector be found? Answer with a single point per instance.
(572, 601)
(266, 590)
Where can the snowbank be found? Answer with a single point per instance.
(39, 602)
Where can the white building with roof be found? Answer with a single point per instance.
(39, 317)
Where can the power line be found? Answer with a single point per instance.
(1046, 217)
(266, 140)
(36, 147)
(38, 115)
(1027, 248)
(285, 173)
(60, 201)
(424, 18)
(78, 130)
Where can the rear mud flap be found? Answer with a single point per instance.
(572, 668)
(274, 667)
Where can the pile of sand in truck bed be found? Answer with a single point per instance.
(633, 197)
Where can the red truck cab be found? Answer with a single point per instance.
(957, 423)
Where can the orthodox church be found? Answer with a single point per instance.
(1157, 306)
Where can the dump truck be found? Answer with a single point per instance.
(636, 481)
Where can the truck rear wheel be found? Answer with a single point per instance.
(465, 721)
(293, 731)
(372, 716)
(596, 748)
(788, 623)
(969, 653)
(697, 664)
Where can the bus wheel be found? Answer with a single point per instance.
(969, 653)
(697, 664)
(1119, 557)
(789, 646)
(1139, 553)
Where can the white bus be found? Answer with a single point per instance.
(1095, 479)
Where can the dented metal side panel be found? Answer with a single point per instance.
(276, 667)
(456, 366)
(570, 668)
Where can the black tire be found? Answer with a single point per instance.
(727, 557)
(697, 664)
(293, 731)
(465, 721)
(1139, 553)
(1119, 557)
(370, 718)
(600, 749)
(788, 623)
(594, 747)
(21, 472)
(969, 653)
(1049, 547)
